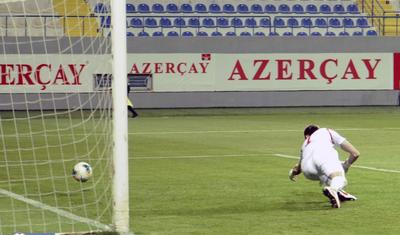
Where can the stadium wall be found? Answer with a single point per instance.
(253, 45)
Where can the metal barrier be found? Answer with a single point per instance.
(385, 21)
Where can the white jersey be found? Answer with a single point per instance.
(319, 157)
(323, 138)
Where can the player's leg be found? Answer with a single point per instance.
(345, 196)
(130, 108)
(331, 167)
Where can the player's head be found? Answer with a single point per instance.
(310, 129)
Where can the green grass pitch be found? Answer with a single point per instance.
(225, 171)
(217, 172)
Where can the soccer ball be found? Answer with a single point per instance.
(82, 172)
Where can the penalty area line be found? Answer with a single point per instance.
(354, 166)
(60, 212)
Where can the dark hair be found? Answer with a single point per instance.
(310, 129)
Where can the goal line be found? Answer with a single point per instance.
(60, 212)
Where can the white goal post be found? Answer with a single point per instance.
(63, 91)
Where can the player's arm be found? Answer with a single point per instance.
(296, 170)
(354, 154)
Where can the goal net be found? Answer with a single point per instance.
(56, 109)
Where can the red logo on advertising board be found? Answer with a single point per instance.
(173, 67)
(206, 56)
(263, 69)
(396, 71)
(42, 74)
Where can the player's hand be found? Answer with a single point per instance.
(292, 176)
(345, 166)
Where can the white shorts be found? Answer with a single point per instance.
(319, 163)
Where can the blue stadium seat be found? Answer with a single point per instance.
(143, 8)
(362, 23)
(208, 23)
(129, 34)
(100, 8)
(330, 34)
(214, 8)
(179, 22)
(339, 9)
(259, 34)
(105, 21)
(250, 23)
(325, 8)
(230, 34)
(335, 23)
(265, 22)
(228, 8)
(273, 34)
(202, 34)
(372, 32)
(222, 22)
(157, 8)
(358, 33)
(270, 8)
(245, 34)
(344, 34)
(256, 8)
(194, 22)
(279, 22)
(143, 34)
(316, 34)
(130, 8)
(216, 34)
(237, 22)
(200, 8)
(187, 34)
(302, 34)
(348, 23)
(165, 22)
(283, 8)
(321, 23)
(186, 8)
(136, 23)
(287, 34)
(158, 34)
(242, 8)
(293, 23)
(173, 34)
(306, 23)
(311, 8)
(352, 8)
(298, 9)
(172, 8)
(150, 23)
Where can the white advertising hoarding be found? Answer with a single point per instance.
(266, 72)
(183, 72)
(51, 73)
(339, 71)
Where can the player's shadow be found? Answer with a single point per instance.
(306, 202)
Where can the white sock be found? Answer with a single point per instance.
(338, 183)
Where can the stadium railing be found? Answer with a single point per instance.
(386, 21)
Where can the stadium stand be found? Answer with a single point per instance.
(264, 18)
(272, 17)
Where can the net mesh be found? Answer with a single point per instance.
(55, 111)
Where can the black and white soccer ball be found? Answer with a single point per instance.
(82, 172)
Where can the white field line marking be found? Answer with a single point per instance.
(60, 212)
(354, 166)
(252, 131)
(199, 156)
(252, 155)
(29, 135)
